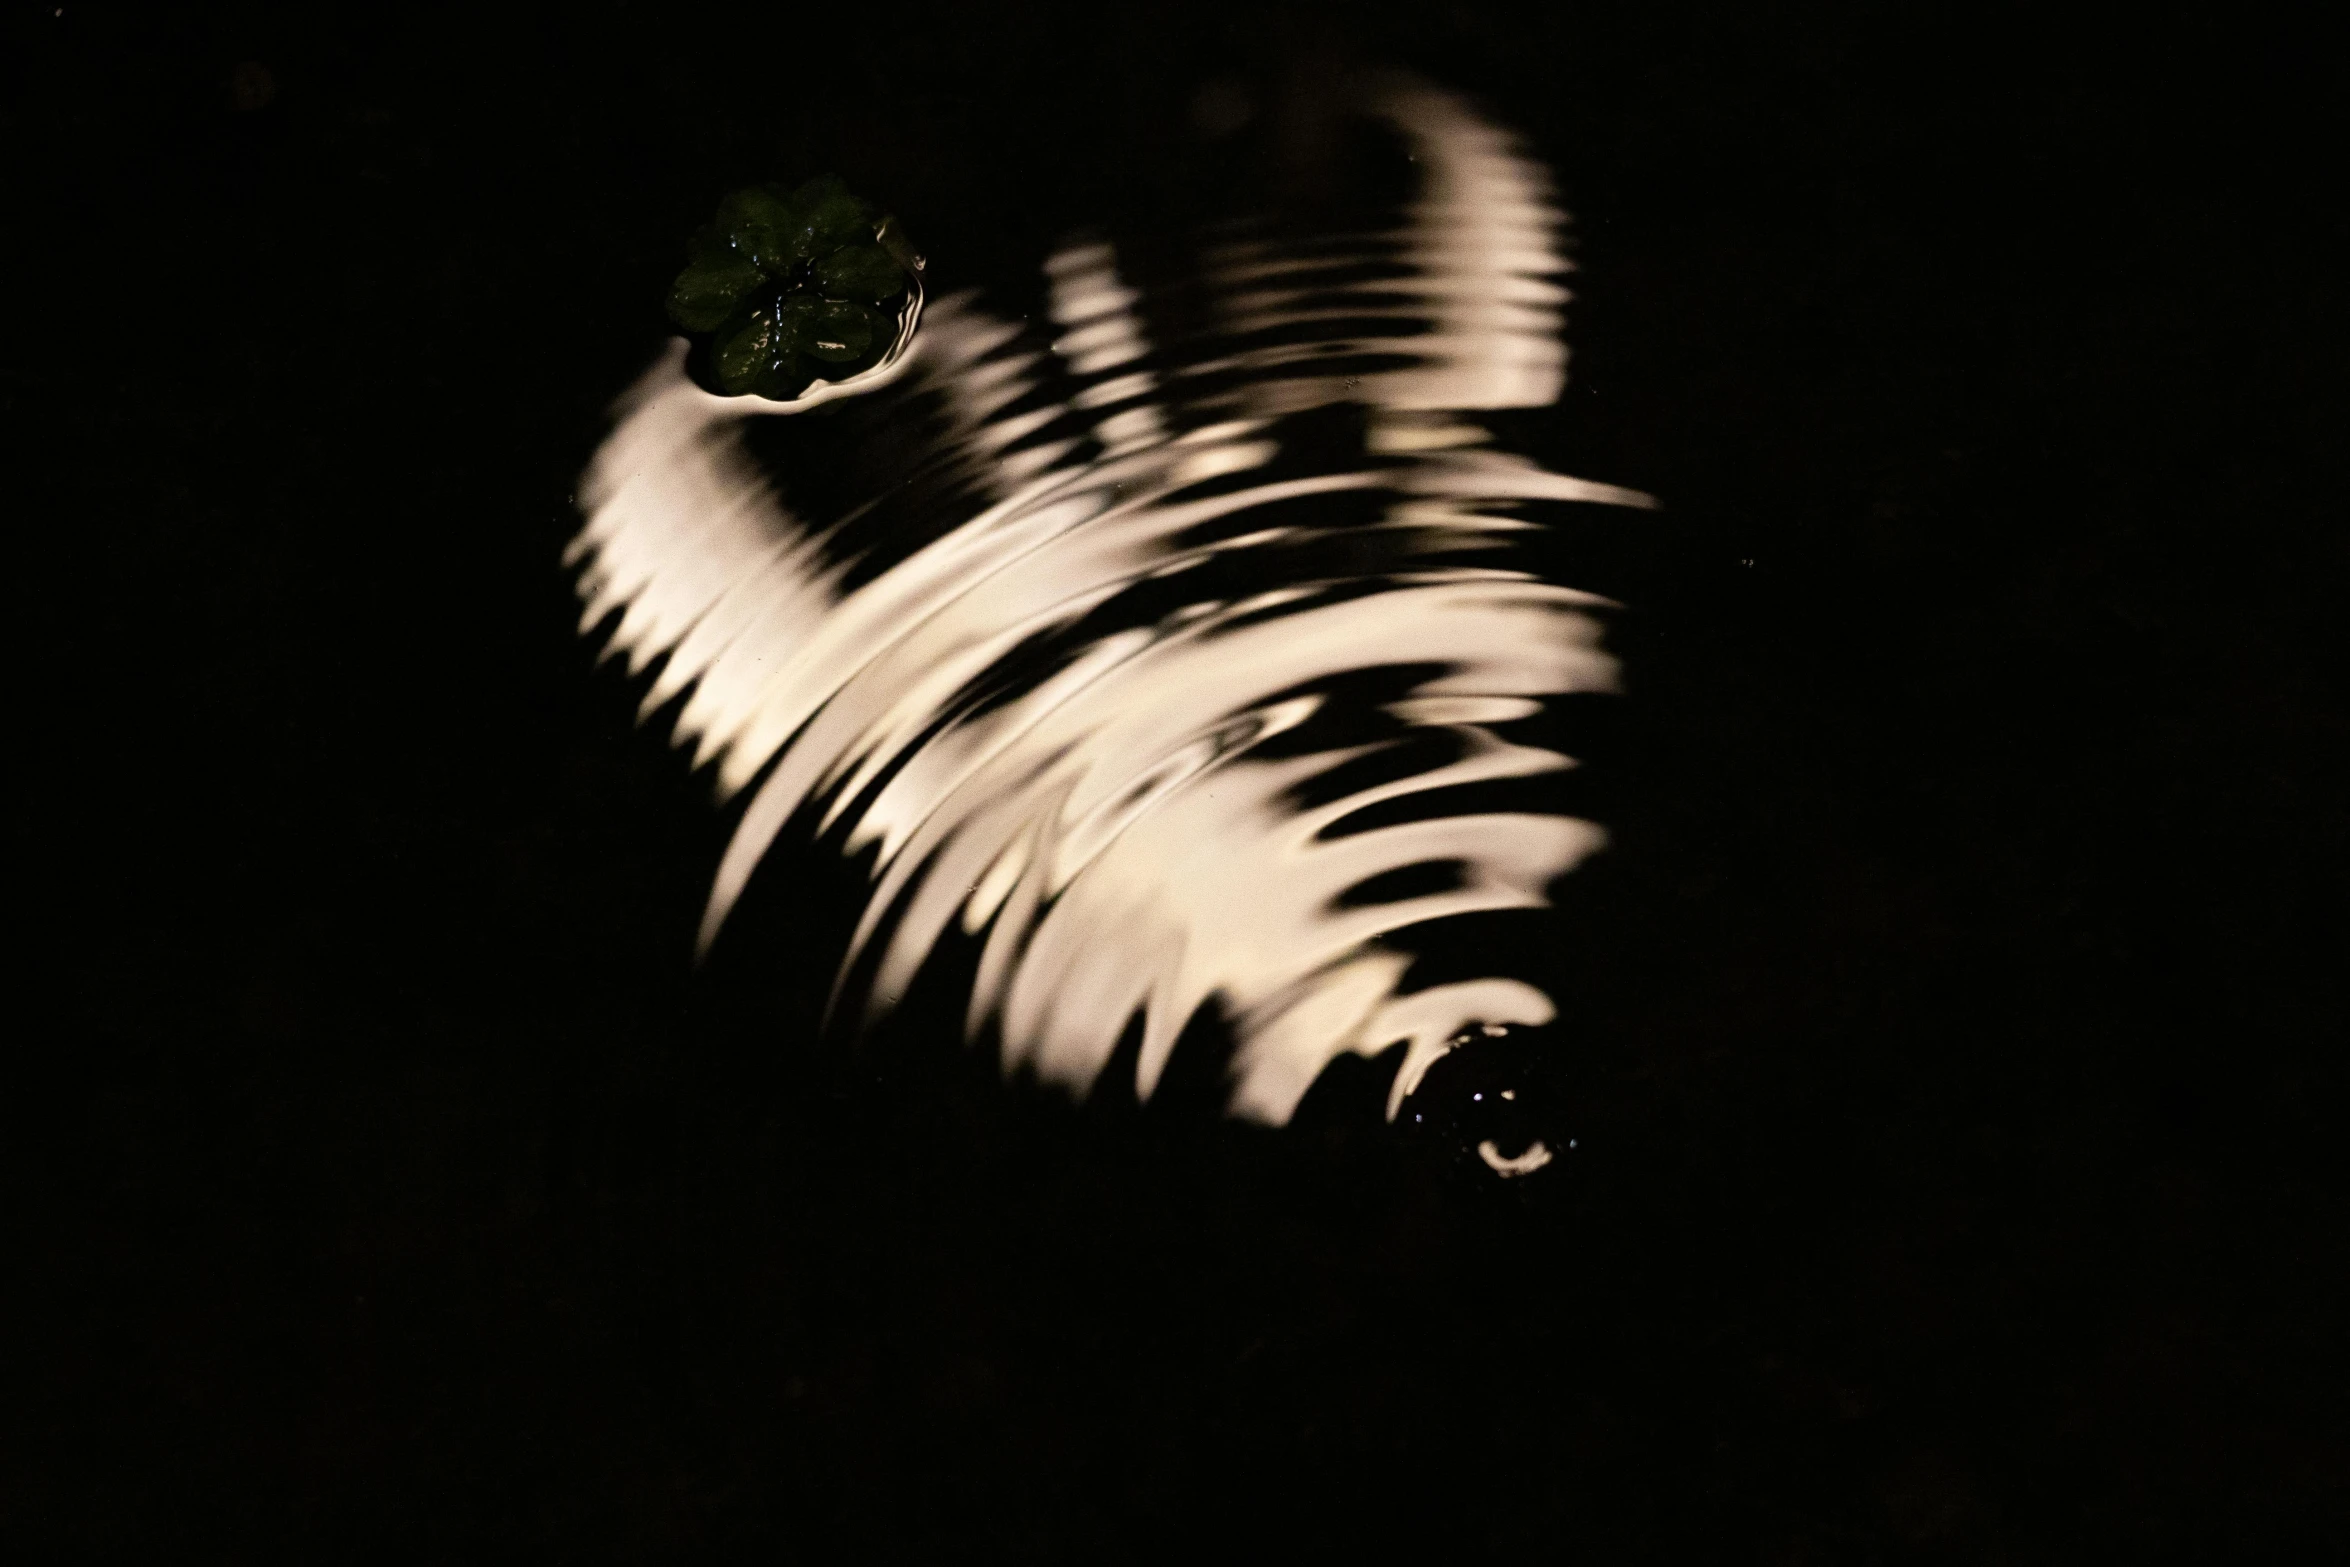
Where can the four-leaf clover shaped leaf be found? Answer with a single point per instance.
(791, 286)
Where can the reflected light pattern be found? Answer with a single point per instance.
(1163, 701)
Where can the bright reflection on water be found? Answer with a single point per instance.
(1161, 669)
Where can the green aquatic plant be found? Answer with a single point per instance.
(785, 287)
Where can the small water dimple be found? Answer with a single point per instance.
(1135, 604)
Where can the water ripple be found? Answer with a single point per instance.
(1183, 651)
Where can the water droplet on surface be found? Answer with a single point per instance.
(1508, 1166)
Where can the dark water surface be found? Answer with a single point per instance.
(1949, 1068)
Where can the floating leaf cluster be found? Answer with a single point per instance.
(791, 286)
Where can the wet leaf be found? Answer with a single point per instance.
(827, 217)
(746, 348)
(795, 323)
(860, 272)
(762, 225)
(842, 331)
(707, 292)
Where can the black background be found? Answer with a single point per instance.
(1958, 1014)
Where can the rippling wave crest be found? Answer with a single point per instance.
(1163, 668)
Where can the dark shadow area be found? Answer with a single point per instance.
(1954, 1022)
